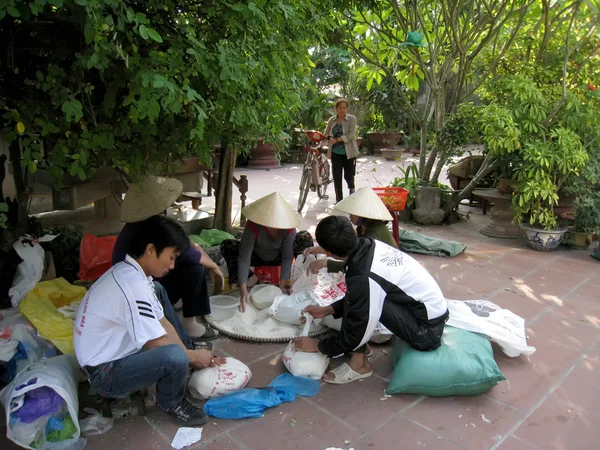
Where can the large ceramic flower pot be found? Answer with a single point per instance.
(579, 240)
(263, 156)
(392, 154)
(383, 140)
(543, 240)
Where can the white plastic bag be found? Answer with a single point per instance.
(95, 423)
(219, 380)
(324, 287)
(31, 269)
(61, 374)
(303, 364)
(500, 325)
(288, 308)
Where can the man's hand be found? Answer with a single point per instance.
(243, 297)
(307, 345)
(317, 265)
(216, 276)
(316, 250)
(318, 312)
(218, 361)
(201, 359)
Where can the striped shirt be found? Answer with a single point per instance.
(118, 315)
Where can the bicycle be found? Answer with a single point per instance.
(316, 172)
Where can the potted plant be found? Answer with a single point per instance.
(586, 220)
(545, 167)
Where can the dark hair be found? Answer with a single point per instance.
(339, 101)
(160, 231)
(336, 235)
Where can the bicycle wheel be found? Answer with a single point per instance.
(304, 187)
(325, 177)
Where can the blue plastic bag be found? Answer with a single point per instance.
(304, 387)
(243, 404)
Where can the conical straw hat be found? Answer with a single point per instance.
(149, 197)
(272, 211)
(364, 203)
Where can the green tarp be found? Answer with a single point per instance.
(413, 242)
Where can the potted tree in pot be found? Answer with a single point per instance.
(545, 167)
(586, 220)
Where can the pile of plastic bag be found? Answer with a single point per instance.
(42, 406)
(30, 348)
(41, 307)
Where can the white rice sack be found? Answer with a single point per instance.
(303, 364)
(219, 380)
(263, 295)
(288, 308)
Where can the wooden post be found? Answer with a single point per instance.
(243, 189)
(224, 189)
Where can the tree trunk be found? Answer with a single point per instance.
(224, 189)
(423, 155)
(438, 170)
(18, 218)
(484, 171)
(440, 115)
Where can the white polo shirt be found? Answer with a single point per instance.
(118, 315)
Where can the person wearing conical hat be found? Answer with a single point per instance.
(269, 239)
(187, 281)
(368, 212)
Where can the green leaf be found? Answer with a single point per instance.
(13, 11)
(143, 30)
(3, 207)
(81, 2)
(32, 167)
(154, 35)
(81, 173)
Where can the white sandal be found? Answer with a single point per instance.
(344, 374)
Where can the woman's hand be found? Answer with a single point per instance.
(316, 250)
(284, 286)
(216, 276)
(243, 297)
(316, 266)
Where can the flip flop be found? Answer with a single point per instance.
(344, 374)
(209, 335)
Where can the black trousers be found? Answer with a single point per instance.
(341, 164)
(405, 325)
(187, 281)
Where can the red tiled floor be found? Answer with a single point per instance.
(246, 351)
(525, 259)
(520, 304)
(359, 397)
(463, 419)
(560, 425)
(168, 427)
(550, 284)
(297, 425)
(512, 443)
(583, 304)
(130, 433)
(266, 370)
(402, 434)
(573, 333)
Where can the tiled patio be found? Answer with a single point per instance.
(547, 402)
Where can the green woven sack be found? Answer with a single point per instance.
(463, 365)
(215, 237)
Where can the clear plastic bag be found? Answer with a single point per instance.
(95, 423)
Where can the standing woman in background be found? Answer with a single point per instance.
(343, 147)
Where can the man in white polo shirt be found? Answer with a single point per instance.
(124, 342)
